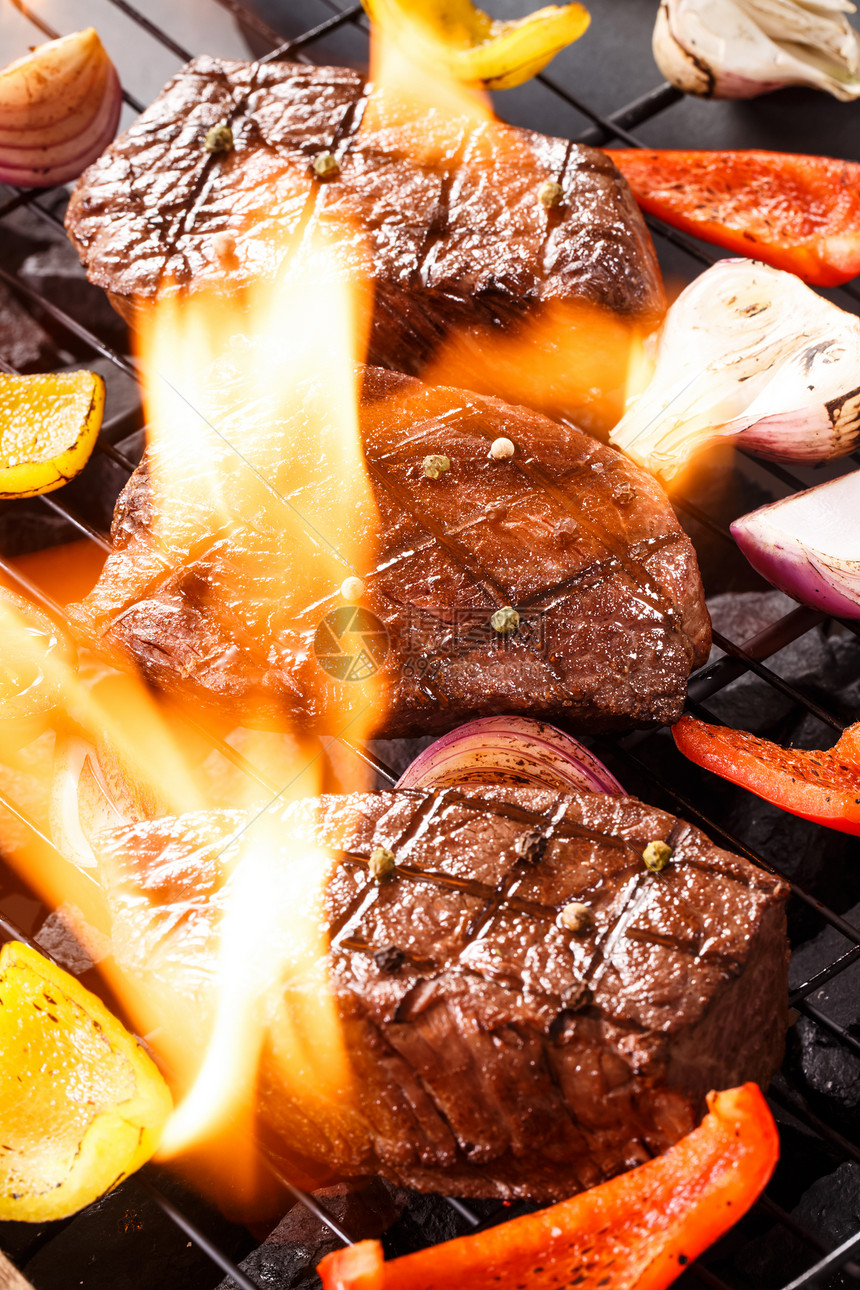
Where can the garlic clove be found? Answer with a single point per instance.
(742, 48)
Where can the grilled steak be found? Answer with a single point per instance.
(581, 541)
(459, 241)
(494, 1052)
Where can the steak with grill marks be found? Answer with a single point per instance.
(580, 540)
(493, 1052)
(456, 241)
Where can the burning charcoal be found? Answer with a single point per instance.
(829, 1211)
(73, 943)
(125, 1241)
(23, 343)
(55, 273)
(428, 1220)
(288, 1257)
(818, 664)
(819, 859)
(829, 1070)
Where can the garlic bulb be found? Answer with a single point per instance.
(752, 353)
(736, 49)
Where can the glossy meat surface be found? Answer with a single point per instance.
(452, 232)
(581, 541)
(493, 1051)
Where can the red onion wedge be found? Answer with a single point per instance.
(750, 353)
(808, 545)
(510, 750)
(59, 109)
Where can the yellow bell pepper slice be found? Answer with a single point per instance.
(480, 50)
(48, 427)
(81, 1104)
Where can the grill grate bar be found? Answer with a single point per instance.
(777, 682)
(19, 287)
(793, 1103)
(248, 18)
(642, 109)
(321, 29)
(151, 28)
(837, 1259)
(82, 525)
(191, 1230)
(826, 974)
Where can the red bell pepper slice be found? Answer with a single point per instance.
(640, 1229)
(821, 785)
(794, 212)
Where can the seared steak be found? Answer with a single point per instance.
(493, 1051)
(455, 241)
(579, 540)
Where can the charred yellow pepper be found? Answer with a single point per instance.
(81, 1104)
(48, 426)
(481, 50)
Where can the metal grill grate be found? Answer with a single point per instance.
(642, 753)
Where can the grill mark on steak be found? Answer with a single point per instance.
(184, 218)
(463, 246)
(518, 1063)
(468, 564)
(635, 570)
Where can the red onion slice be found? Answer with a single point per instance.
(808, 545)
(510, 750)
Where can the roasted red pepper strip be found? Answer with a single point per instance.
(822, 785)
(640, 1229)
(794, 212)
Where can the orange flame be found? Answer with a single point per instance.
(254, 440)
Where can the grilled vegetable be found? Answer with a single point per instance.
(750, 353)
(794, 212)
(93, 1105)
(822, 786)
(48, 427)
(509, 750)
(59, 109)
(478, 49)
(808, 545)
(639, 1230)
(737, 49)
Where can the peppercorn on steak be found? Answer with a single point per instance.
(527, 1009)
(554, 582)
(454, 236)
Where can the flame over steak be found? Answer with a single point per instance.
(582, 542)
(493, 1051)
(456, 241)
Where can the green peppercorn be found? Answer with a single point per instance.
(505, 621)
(325, 165)
(381, 864)
(550, 194)
(219, 138)
(657, 855)
(435, 466)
